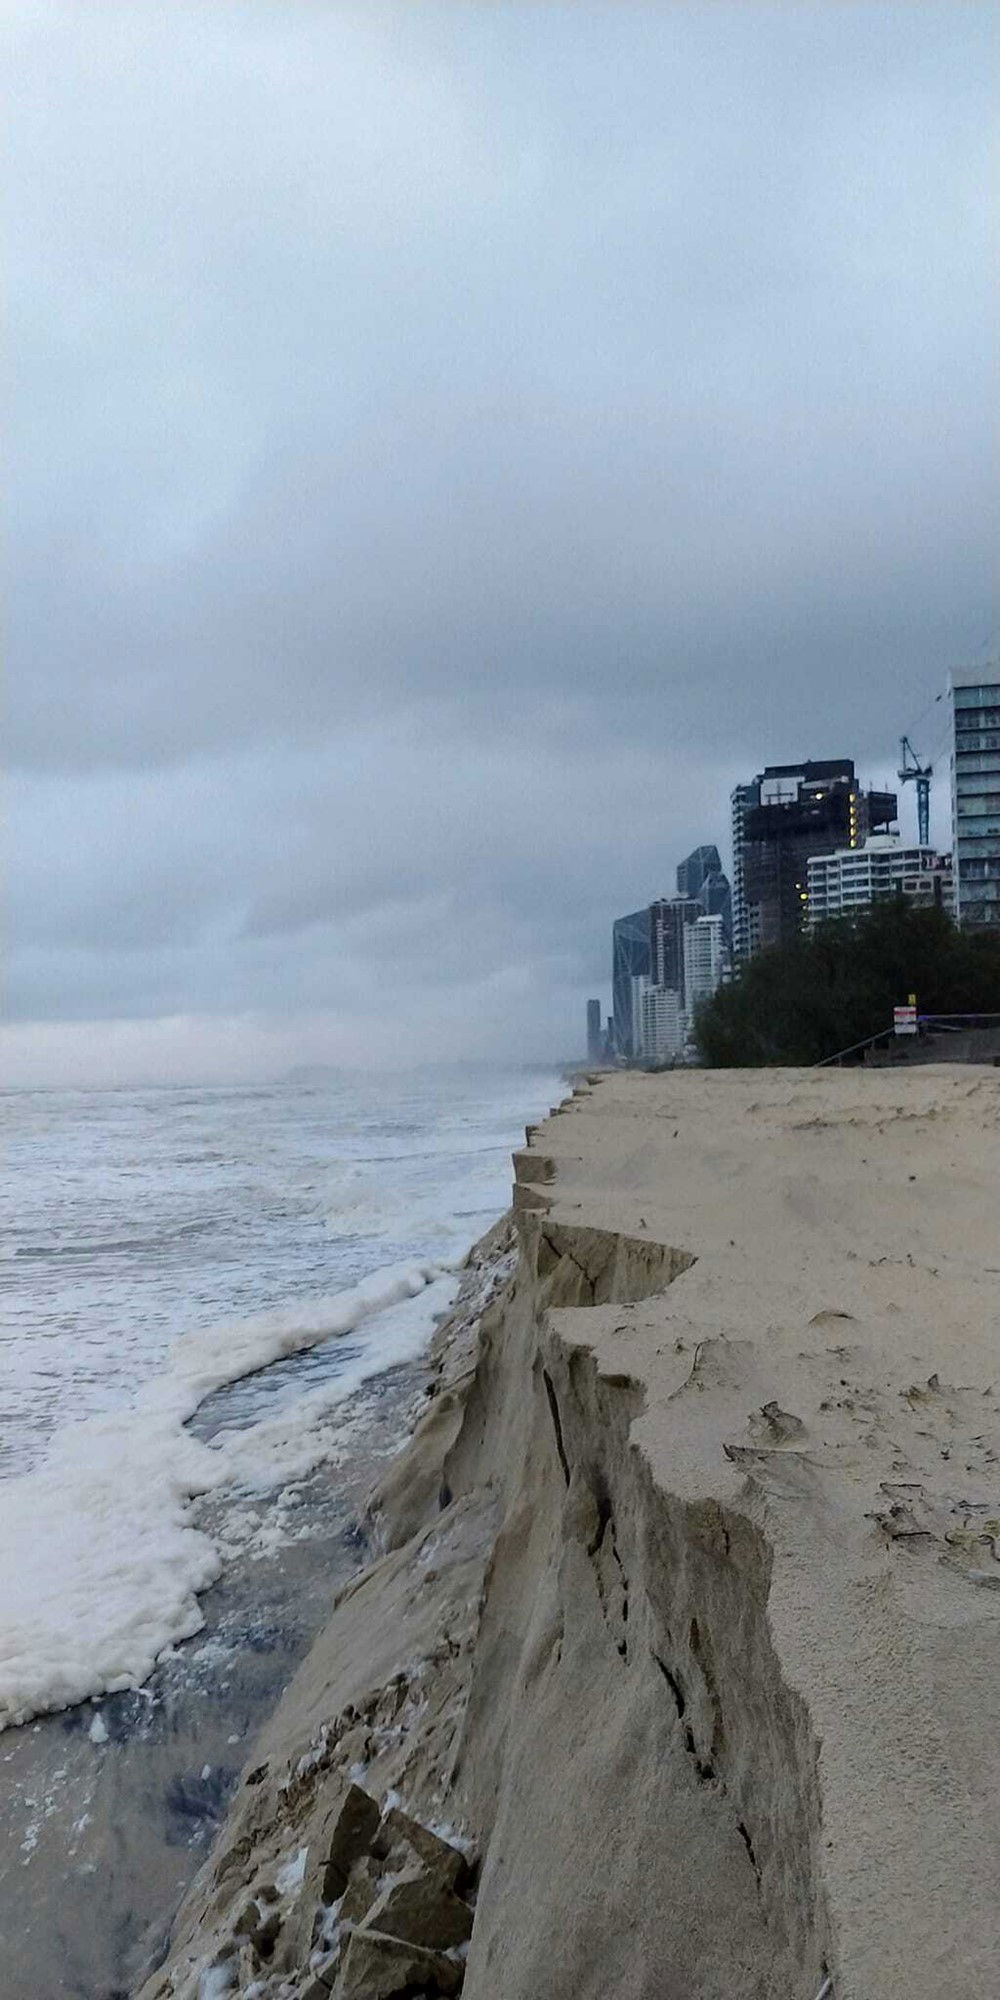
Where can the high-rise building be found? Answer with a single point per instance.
(788, 813)
(695, 869)
(639, 984)
(668, 920)
(630, 959)
(595, 1037)
(975, 795)
(849, 881)
(664, 1025)
(700, 876)
(706, 960)
(716, 900)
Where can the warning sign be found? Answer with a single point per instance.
(904, 1020)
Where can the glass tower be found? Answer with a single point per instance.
(631, 959)
(975, 795)
(700, 876)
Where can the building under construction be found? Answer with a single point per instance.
(788, 813)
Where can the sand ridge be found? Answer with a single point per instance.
(691, 1593)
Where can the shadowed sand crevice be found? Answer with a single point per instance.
(663, 1569)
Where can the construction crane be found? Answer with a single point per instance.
(912, 771)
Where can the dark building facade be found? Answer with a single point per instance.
(787, 813)
(595, 1035)
(695, 869)
(700, 876)
(630, 959)
(667, 921)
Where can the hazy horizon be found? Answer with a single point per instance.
(304, 1074)
(450, 448)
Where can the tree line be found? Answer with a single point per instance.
(834, 986)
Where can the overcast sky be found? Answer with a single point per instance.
(451, 446)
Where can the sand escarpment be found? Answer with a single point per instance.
(683, 1643)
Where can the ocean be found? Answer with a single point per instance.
(163, 1251)
(215, 1302)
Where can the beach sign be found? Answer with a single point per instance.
(904, 1019)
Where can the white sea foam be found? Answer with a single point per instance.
(100, 1565)
(279, 1450)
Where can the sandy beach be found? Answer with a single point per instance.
(686, 1630)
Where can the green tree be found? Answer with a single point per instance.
(838, 984)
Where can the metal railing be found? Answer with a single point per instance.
(868, 1043)
(951, 1023)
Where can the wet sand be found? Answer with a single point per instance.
(107, 1809)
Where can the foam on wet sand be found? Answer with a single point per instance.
(100, 1564)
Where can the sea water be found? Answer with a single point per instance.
(196, 1285)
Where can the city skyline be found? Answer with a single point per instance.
(939, 733)
(844, 848)
(451, 449)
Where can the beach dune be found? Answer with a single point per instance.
(684, 1643)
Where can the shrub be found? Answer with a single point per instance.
(832, 987)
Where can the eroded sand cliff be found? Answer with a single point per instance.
(686, 1638)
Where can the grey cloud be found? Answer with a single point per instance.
(451, 445)
(404, 852)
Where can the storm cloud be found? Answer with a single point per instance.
(451, 446)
